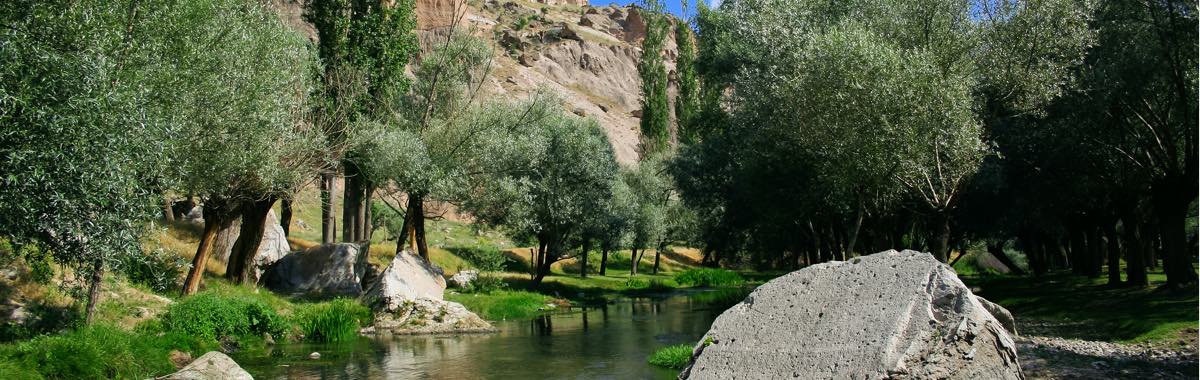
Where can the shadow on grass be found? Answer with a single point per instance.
(1069, 306)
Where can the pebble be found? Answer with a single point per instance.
(1059, 358)
(314, 355)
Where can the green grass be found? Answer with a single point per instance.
(674, 357)
(709, 277)
(503, 304)
(96, 352)
(1061, 304)
(333, 321)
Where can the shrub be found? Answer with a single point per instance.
(486, 283)
(675, 357)
(637, 283)
(158, 269)
(485, 259)
(709, 277)
(212, 316)
(332, 321)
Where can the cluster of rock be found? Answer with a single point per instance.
(887, 315)
(211, 366)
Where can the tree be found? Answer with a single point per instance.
(74, 131)
(562, 171)
(687, 101)
(364, 47)
(246, 142)
(656, 119)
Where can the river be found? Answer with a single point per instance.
(610, 341)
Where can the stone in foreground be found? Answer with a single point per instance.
(328, 269)
(894, 315)
(212, 366)
(407, 299)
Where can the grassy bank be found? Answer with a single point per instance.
(504, 304)
(1077, 307)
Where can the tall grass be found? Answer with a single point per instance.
(213, 316)
(504, 304)
(334, 321)
(94, 352)
(675, 357)
(709, 277)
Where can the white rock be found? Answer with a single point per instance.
(887, 315)
(464, 278)
(212, 366)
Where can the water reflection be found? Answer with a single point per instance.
(600, 342)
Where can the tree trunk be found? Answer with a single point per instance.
(366, 228)
(328, 222)
(633, 261)
(1177, 260)
(1135, 265)
(1114, 253)
(858, 220)
(94, 291)
(583, 257)
(1095, 251)
(168, 212)
(349, 205)
(940, 241)
(240, 267)
(406, 232)
(285, 216)
(603, 261)
(658, 255)
(216, 216)
(416, 205)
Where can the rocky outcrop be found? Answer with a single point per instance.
(328, 269)
(211, 366)
(407, 299)
(887, 315)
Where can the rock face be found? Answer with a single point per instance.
(887, 315)
(329, 269)
(463, 279)
(212, 366)
(407, 299)
(1002, 315)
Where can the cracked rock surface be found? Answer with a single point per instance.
(892, 315)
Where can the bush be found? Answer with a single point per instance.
(333, 321)
(709, 277)
(486, 283)
(212, 316)
(675, 357)
(485, 259)
(158, 269)
(637, 283)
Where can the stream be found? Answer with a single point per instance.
(610, 341)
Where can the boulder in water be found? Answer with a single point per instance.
(887, 315)
(212, 366)
(407, 299)
(328, 269)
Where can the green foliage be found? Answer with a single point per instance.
(95, 352)
(212, 316)
(655, 120)
(687, 101)
(709, 277)
(158, 269)
(333, 321)
(503, 305)
(674, 357)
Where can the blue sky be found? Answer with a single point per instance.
(673, 6)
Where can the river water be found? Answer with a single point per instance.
(610, 341)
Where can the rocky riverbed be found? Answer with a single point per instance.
(1058, 358)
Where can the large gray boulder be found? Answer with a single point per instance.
(328, 269)
(464, 278)
(1001, 314)
(274, 246)
(887, 315)
(212, 366)
(407, 299)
